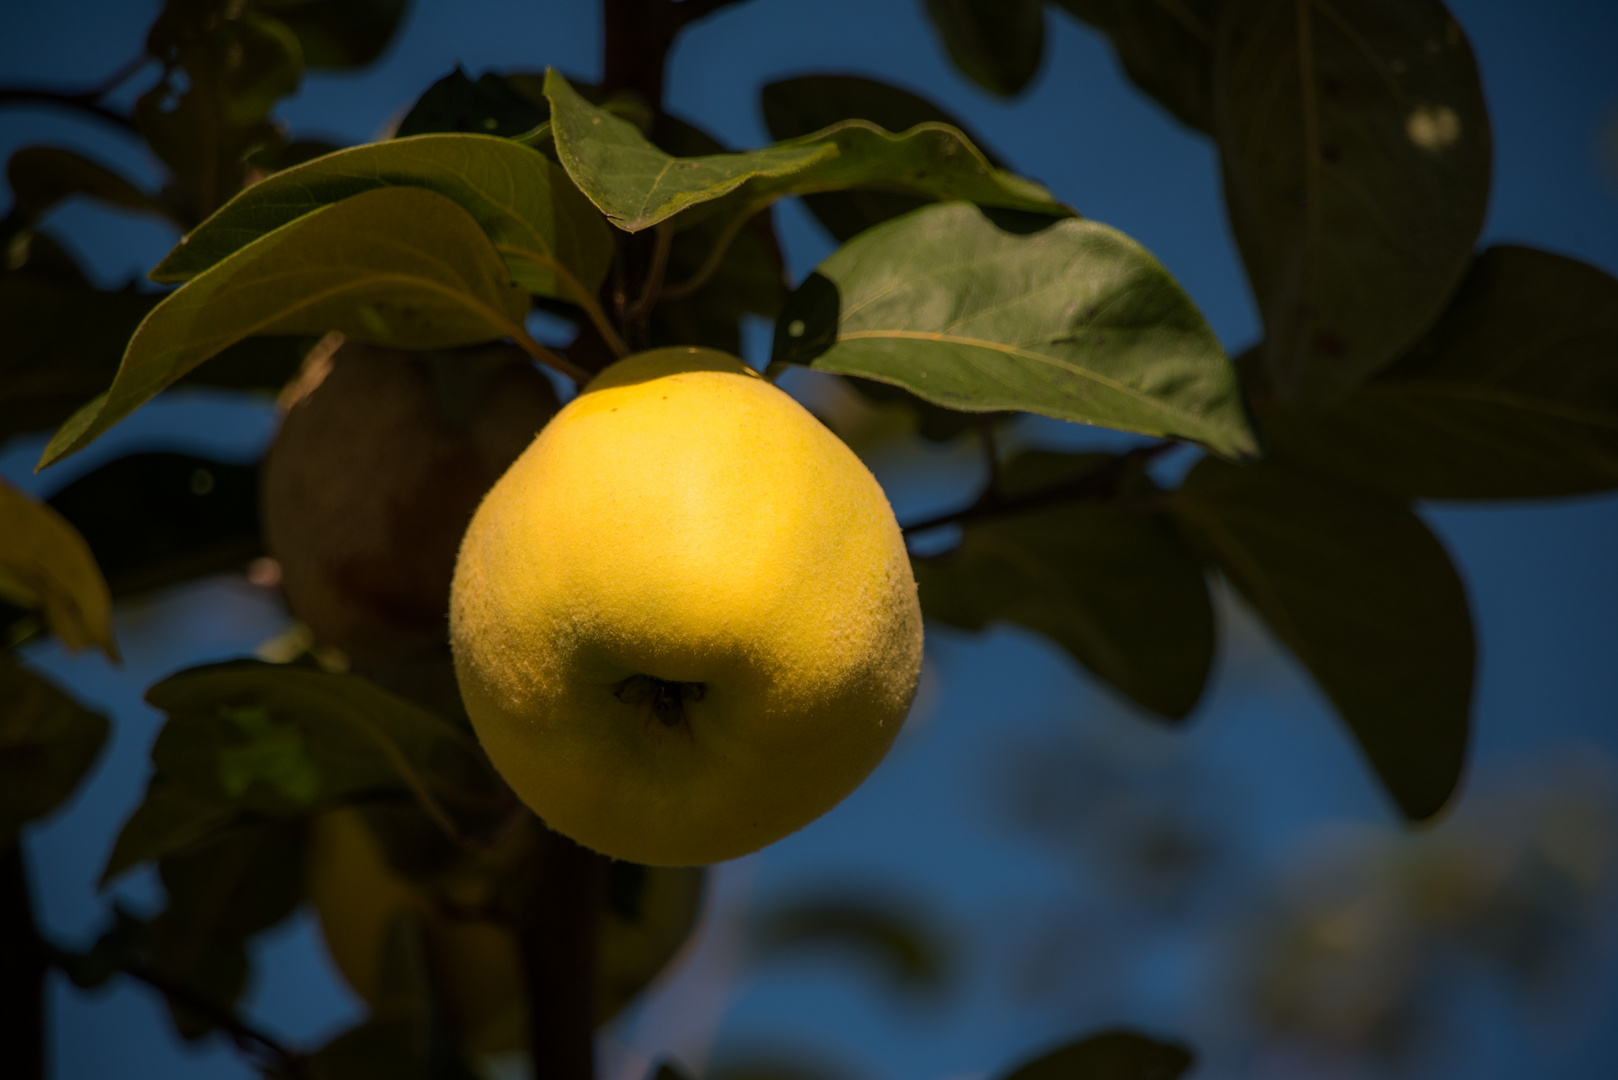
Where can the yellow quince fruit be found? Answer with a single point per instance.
(684, 622)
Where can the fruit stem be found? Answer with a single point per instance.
(559, 897)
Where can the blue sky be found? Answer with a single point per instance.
(1266, 765)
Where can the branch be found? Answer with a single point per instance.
(1101, 482)
(557, 906)
(84, 100)
(22, 973)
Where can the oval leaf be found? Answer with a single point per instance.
(1073, 320)
(797, 107)
(1115, 587)
(1514, 394)
(394, 266)
(42, 176)
(246, 740)
(1166, 48)
(1356, 150)
(996, 43)
(637, 185)
(48, 742)
(45, 564)
(1110, 1055)
(1364, 595)
(552, 239)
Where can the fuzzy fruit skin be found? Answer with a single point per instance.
(358, 897)
(685, 520)
(373, 476)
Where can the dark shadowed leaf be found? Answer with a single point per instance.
(996, 43)
(155, 519)
(225, 67)
(1364, 595)
(42, 176)
(1113, 585)
(900, 941)
(1513, 394)
(246, 740)
(395, 266)
(637, 185)
(340, 33)
(405, 1037)
(551, 238)
(219, 895)
(45, 565)
(1356, 159)
(47, 743)
(1070, 319)
(802, 106)
(1165, 47)
(1111, 1055)
(489, 106)
(64, 339)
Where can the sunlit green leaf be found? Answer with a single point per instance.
(47, 743)
(1165, 47)
(637, 185)
(973, 311)
(1114, 586)
(248, 741)
(1356, 158)
(802, 106)
(1110, 1055)
(392, 266)
(996, 43)
(46, 565)
(553, 240)
(1513, 394)
(1364, 595)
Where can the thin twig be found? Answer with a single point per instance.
(654, 274)
(247, 1037)
(991, 456)
(1099, 482)
(553, 360)
(88, 100)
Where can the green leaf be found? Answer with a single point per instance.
(490, 106)
(551, 238)
(802, 106)
(248, 741)
(46, 565)
(1513, 394)
(155, 519)
(225, 67)
(637, 185)
(1356, 158)
(42, 176)
(48, 742)
(1165, 47)
(221, 894)
(1113, 585)
(391, 266)
(1110, 1055)
(1364, 595)
(975, 311)
(64, 339)
(340, 33)
(996, 43)
(899, 940)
